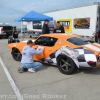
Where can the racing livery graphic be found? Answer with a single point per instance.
(82, 23)
(80, 56)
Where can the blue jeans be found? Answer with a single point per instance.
(34, 65)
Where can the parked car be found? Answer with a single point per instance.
(7, 30)
(67, 51)
(23, 30)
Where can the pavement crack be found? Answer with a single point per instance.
(41, 85)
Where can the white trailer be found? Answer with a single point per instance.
(84, 20)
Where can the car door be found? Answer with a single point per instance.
(49, 44)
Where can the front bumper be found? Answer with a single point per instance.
(5, 34)
(2, 33)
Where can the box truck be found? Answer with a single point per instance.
(84, 20)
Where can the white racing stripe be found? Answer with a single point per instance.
(27, 40)
(97, 44)
(92, 47)
(13, 85)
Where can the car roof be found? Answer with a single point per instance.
(62, 35)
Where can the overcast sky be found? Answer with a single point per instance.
(11, 9)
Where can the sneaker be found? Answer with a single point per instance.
(31, 70)
(21, 70)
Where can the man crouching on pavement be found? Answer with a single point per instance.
(27, 60)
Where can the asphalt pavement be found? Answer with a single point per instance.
(48, 83)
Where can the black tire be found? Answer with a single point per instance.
(67, 63)
(75, 26)
(0, 37)
(16, 54)
(86, 26)
(10, 39)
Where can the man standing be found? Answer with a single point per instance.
(61, 27)
(45, 29)
(27, 57)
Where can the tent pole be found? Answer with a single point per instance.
(21, 30)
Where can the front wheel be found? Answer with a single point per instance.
(66, 65)
(16, 54)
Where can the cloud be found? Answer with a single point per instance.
(47, 5)
(11, 9)
(9, 15)
(8, 12)
(44, 5)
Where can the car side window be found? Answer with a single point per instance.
(77, 41)
(46, 41)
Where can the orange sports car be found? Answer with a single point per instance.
(67, 51)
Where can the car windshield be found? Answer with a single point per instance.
(78, 40)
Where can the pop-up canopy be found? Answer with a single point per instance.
(33, 16)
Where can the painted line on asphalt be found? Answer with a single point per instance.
(13, 85)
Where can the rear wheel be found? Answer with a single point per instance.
(75, 26)
(66, 65)
(16, 54)
(86, 26)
